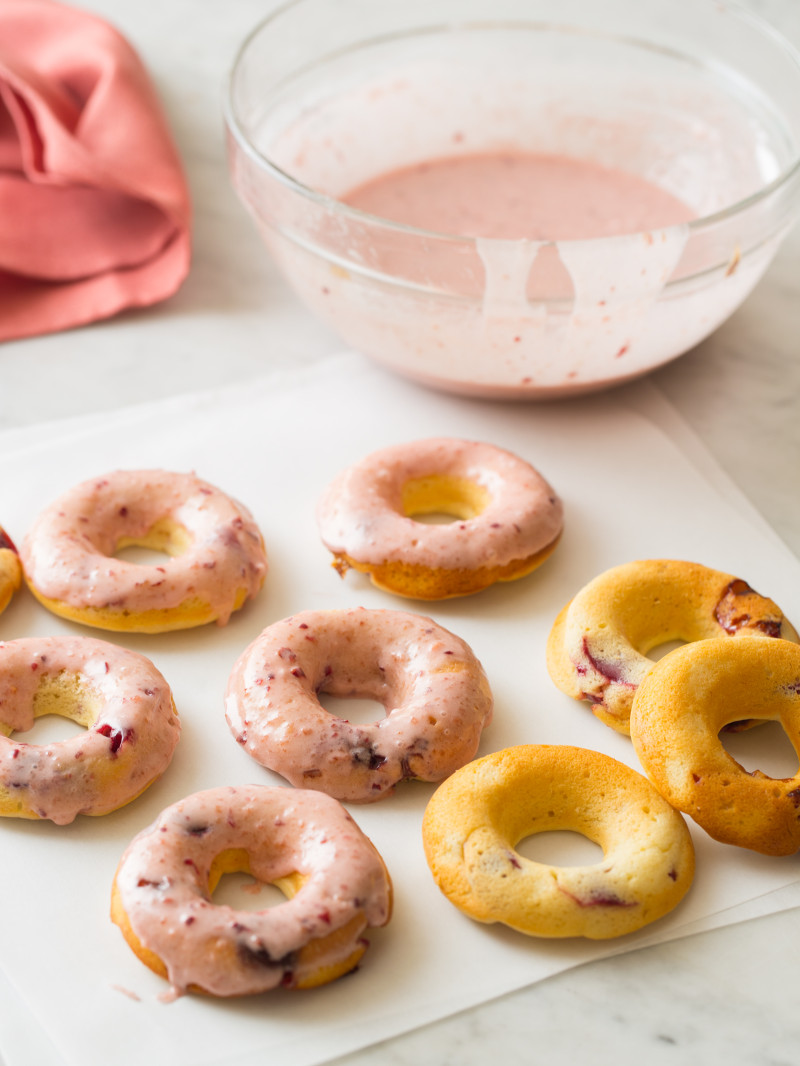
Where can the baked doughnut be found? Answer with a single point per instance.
(510, 518)
(678, 712)
(119, 696)
(218, 554)
(10, 569)
(303, 842)
(436, 696)
(597, 648)
(475, 820)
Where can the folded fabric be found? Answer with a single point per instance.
(94, 206)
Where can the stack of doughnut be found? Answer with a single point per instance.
(739, 665)
(597, 648)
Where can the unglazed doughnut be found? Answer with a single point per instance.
(10, 569)
(436, 696)
(118, 695)
(304, 842)
(218, 553)
(510, 518)
(475, 820)
(597, 648)
(678, 712)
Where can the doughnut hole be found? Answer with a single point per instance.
(559, 847)
(236, 861)
(164, 538)
(59, 700)
(243, 892)
(664, 647)
(452, 498)
(767, 749)
(49, 729)
(67, 695)
(353, 709)
(63, 696)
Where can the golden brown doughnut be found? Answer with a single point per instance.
(475, 820)
(10, 569)
(597, 648)
(678, 712)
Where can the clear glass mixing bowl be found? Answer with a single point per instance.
(698, 96)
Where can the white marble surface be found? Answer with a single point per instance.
(726, 994)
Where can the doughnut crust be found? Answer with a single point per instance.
(217, 553)
(597, 648)
(125, 704)
(509, 519)
(678, 711)
(10, 569)
(435, 692)
(477, 817)
(303, 842)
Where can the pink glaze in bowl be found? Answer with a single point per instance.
(694, 96)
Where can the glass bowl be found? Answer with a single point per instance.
(696, 96)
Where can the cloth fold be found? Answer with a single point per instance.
(94, 206)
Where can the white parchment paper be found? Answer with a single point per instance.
(631, 491)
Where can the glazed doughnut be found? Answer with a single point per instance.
(436, 696)
(475, 820)
(597, 648)
(119, 696)
(510, 518)
(303, 842)
(10, 569)
(678, 712)
(218, 554)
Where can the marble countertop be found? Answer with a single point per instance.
(728, 993)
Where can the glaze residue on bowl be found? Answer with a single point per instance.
(651, 97)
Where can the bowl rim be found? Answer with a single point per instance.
(336, 206)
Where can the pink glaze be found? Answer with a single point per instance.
(436, 696)
(164, 874)
(513, 195)
(68, 554)
(360, 513)
(129, 742)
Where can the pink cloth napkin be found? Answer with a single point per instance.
(94, 207)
